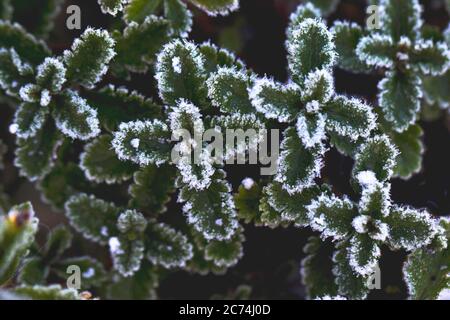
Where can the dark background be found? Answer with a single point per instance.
(271, 257)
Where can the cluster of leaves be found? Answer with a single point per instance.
(137, 153)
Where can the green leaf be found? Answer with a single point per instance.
(143, 142)
(180, 72)
(211, 211)
(138, 10)
(95, 219)
(401, 18)
(377, 50)
(88, 59)
(426, 270)
(152, 187)
(247, 200)
(226, 253)
(13, 35)
(269, 217)
(179, 16)
(291, 207)
(6, 10)
(347, 35)
(410, 147)
(216, 58)
(51, 75)
(17, 232)
(318, 86)
(29, 119)
(75, 118)
(63, 181)
(58, 240)
(410, 228)
(349, 283)
(316, 271)
(52, 292)
(297, 165)
(167, 247)
(100, 163)
(310, 48)
(117, 104)
(275, 100)
(228, 90)
(435, 90)
(430, 58)
(344, 145)
(141, 286)
(217, 7)
(363, 254)
(34, 271)
(93, 273)
(332, 216)
(35, 156)
(112, 7)
(379, 155)
(138, 45)
(13, 72)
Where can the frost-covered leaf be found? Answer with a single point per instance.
(13, 72)
(318, 86)
(316, 269)
(17, 232)
(216, 58)
(138, 45)
(349, 283)
(332, 216)
(51, 75)
(152, 188)
(410, 228)
(75, 118)
(88, 59)
(217, 7)
(344, 145)
(363, 254)
(401, 18)
(350, 117)
(435, 90)
(269, 217)
(141, 286)
(410, 147)
(275, 100)
(310, 48)
(35, 155)
(430, 58)
(112, 7)
(311, 129)
(375, 203)
(13, 35)
(29, 119)
(346, 37)
(376, 50)
(180, 72)
(179, 15)
(117, 104)
(226, 253)
(100, 163)
(92, 217)
(167, 247)
(93, 273)
(211, 211)
(378, 155)
(303, 11)
(291, 207)
(52, 292)
(297, 165)
(127, 250)
(426, 270)
(228, 90)
(143, 142)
